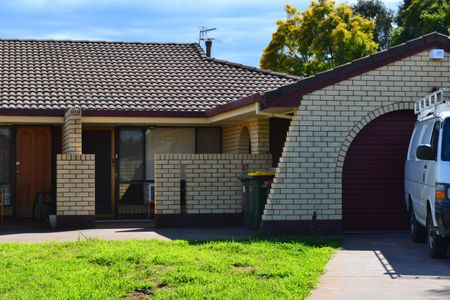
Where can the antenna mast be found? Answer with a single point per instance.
(203, 36)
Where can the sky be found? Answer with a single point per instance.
(244, 27)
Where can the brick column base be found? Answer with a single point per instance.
(199, 220)
(75, 190)
(303, 227)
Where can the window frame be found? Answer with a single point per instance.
(143, 129)
(12, 171)
(445, 125)
(435, 135)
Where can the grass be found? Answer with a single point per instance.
(93, 269)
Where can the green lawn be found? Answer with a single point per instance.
(92, 269)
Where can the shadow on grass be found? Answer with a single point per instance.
(312, 241)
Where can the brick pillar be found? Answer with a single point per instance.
(71, 141)
(75, 177)
(260, 136)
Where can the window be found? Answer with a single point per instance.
(208, 140)
(445, 146)
(435, 138)
(5, 164)
(137, 148)
(131, 166)
(426, 133)
(167, 140)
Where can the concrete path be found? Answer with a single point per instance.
(384, 266)
(42, 235)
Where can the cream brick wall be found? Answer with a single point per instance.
(259, 136)
(75, 184)
(75, 172)
(71, 140)
(213, 182)
(309, 175)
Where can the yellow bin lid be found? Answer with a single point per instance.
(260, 173)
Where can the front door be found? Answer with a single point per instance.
(33, 166)
(98, 142)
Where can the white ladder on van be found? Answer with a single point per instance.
(431, 104)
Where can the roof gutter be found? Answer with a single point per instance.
(259, 112)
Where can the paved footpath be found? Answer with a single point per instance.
(384, 266)
(42, 235)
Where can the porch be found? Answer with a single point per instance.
(83, 171)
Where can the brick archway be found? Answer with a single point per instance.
(298, 184)
(372, 195)
(245, 141)
(360, 125)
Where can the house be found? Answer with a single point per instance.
(115, 130)
(343, 161)
(122, 130)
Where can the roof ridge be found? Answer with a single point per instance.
(202, 55)
(93, 41)
(255, 69)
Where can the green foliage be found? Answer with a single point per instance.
(419, 17)
(94, 269)
(321, 37)
(383, 18)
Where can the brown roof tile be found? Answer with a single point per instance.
(122, 76)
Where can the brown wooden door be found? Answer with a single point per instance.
(33, 166)
(373, 176)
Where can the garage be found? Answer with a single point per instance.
(373, 174)
(342, 163)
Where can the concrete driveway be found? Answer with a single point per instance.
(384, 266)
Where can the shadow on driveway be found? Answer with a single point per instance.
(384, 266)
(398, 255)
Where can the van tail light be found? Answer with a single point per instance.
(440, 192)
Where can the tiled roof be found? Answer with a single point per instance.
(123, 76)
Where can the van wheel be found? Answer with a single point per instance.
(418, 232)
(437, 244)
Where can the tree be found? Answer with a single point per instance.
(383, 18)
(419, 17)
(321, 37)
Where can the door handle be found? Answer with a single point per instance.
(17, 167)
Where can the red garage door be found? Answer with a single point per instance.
(373, 174)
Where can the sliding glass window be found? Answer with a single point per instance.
(137, 148)
(167, 140)
(208, 140)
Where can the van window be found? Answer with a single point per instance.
(445, 145)
(426, 134)
(415, 141)
(435, 138)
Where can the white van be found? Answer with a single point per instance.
(427, 174)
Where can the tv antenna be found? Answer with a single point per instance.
(203, 36)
